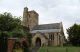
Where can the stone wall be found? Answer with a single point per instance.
(30, 18)
(33, 19)
(58, 39)
(43, 40)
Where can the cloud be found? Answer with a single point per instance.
(50, 11)
(13, 6)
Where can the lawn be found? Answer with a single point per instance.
(59, 49)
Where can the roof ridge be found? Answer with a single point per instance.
(47, 26)
(49, 23)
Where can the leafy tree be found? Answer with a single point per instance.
(10, 26)
(8, 23)
(74, 34)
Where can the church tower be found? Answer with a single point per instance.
(30, 18)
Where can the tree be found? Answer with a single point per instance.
(29, 36)
(10, 26)
(74, 34)
(8, 22)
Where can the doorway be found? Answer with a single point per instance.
(38, 42)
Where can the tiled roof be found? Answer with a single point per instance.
(47, 26)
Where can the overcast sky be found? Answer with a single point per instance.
(50, 11)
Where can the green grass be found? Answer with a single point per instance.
(59, 49)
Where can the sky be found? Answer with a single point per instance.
(50, 11)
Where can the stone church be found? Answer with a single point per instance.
(43, 35)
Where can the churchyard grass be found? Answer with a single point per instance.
(59, 49)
